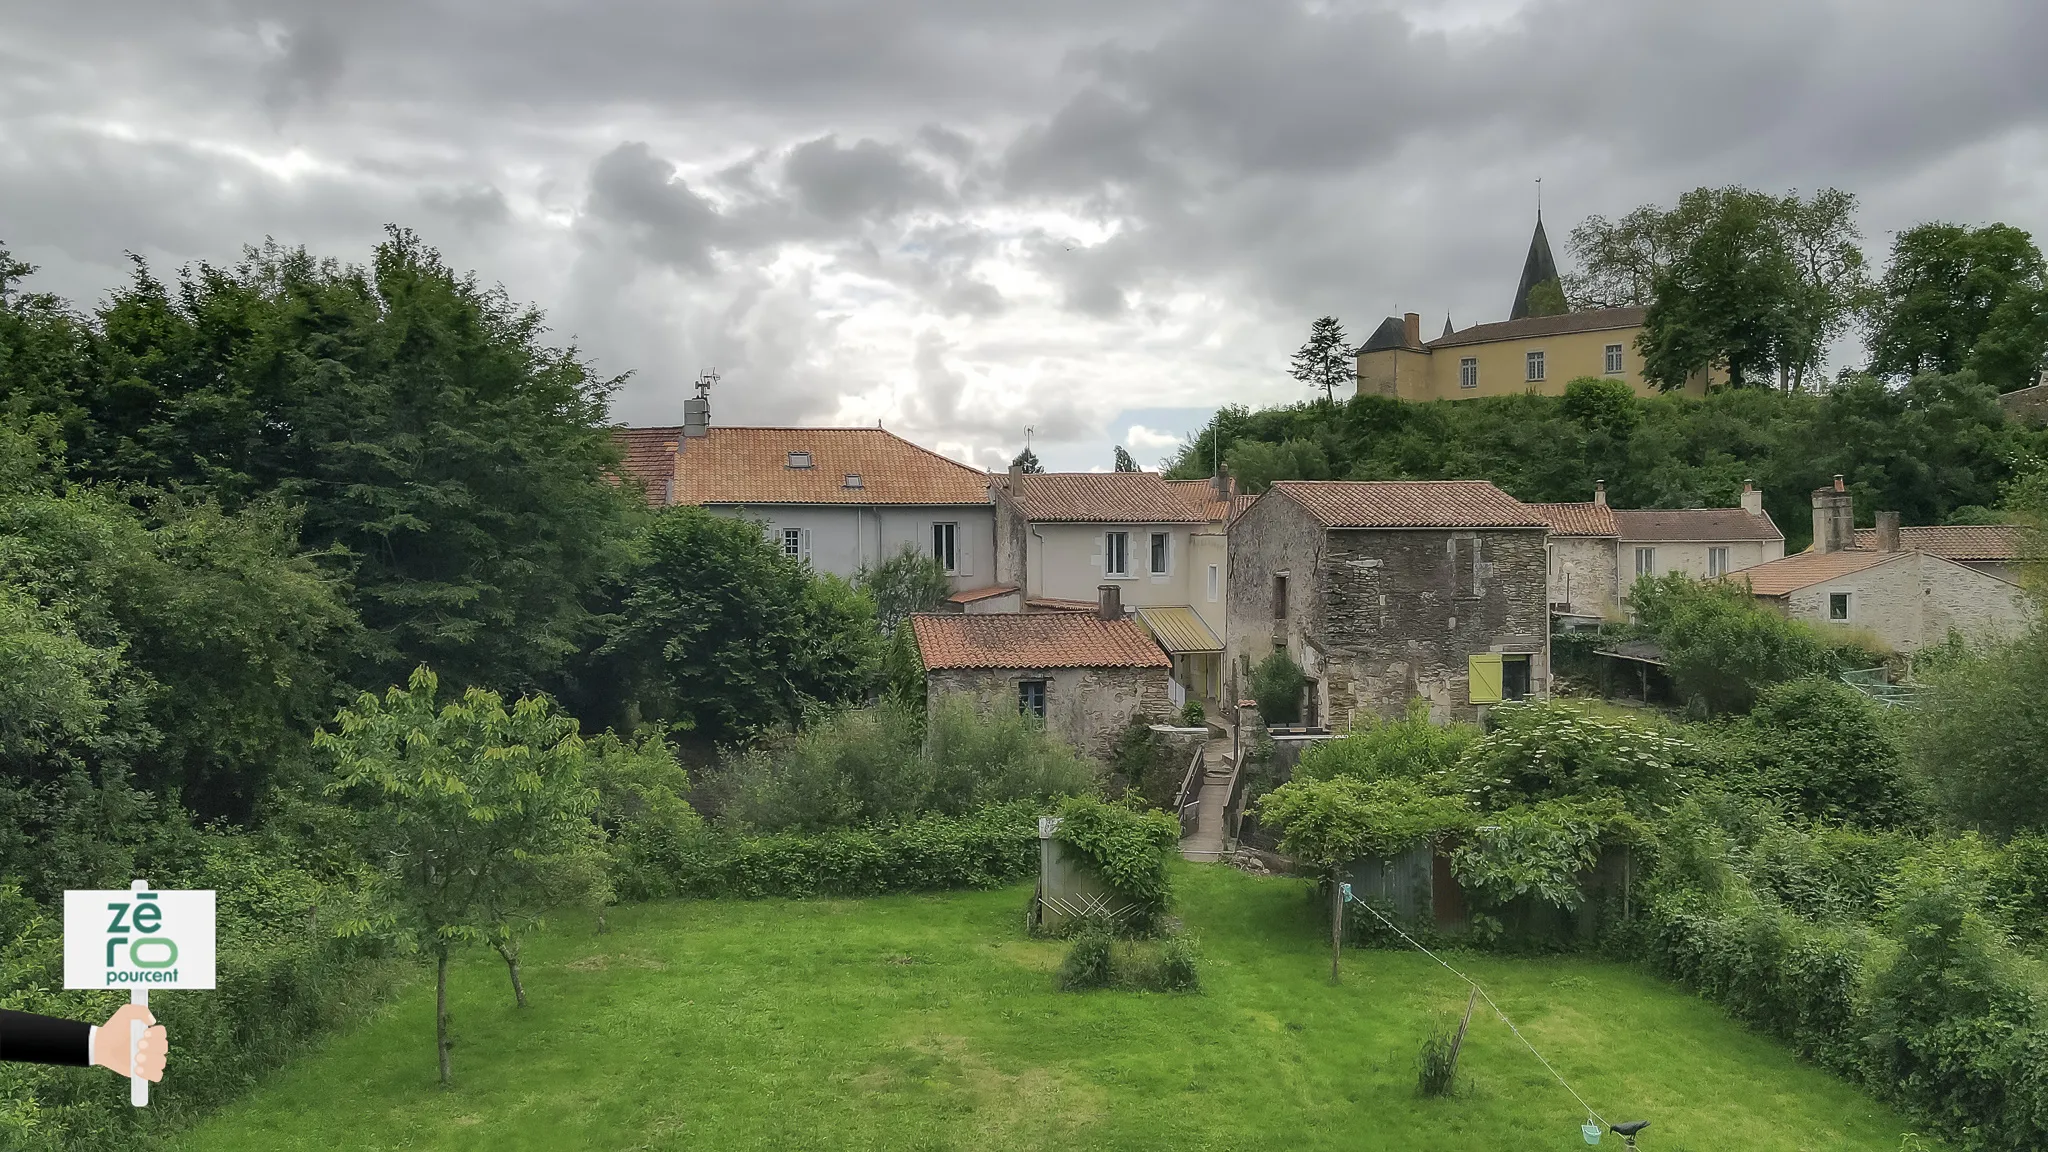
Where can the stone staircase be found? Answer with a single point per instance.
(1206, 842)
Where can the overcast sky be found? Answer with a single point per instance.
(1096, 218)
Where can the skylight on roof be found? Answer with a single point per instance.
(853, 480)
(799, 460)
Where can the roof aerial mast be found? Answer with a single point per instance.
(697, 409)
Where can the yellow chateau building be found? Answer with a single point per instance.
(1527, 352)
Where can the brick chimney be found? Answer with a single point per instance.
(1110, 602)
(1411, 328)
(1834, 518)
(1600, 493)
(1887, 531)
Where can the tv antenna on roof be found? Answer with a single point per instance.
(705, 380)
(697, 411)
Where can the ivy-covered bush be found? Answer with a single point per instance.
(1126, 848)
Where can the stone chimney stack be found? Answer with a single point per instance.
(1016, 480)
(1221, 481)
(1752, 498)
(1411, 327)
(1110, 605)
(1600, 493)
(1887, 531)
(1834, 518)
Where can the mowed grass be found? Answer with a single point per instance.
(930, 1022)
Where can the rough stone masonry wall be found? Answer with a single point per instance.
(1274, 535)
(1582, 574)
(1401, 616)
(1914, 601)
(1087, 707)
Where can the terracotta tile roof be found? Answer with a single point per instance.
(751, 466)
(650, 457)
(1586, 519)
(1690, 524)
(1103, 498)
(1805, 569)
(1408, 504)
(1202, 495)
(975, 595)
(1055, 604)
(1597, 320)
(1985, 542)
(1034, 640)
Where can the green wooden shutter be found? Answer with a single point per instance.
(1483, 672)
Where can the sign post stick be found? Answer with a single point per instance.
(138, 1088)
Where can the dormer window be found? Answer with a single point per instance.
(853, 480)
(799, 459)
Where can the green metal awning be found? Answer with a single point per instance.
(1179, 630)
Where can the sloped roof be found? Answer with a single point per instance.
(1178, 629)
(1597, 320)
(1407, 504)
(1539, 267)
(1805, 569)
(976, 595)
(1201, 494)
(1580, 519)
(1392, 333)
(1034, 640)
(650, 457)
(751, 466)
(1104, 498)
(1982, 542)
(1694, 524)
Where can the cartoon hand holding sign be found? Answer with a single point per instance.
(139, 940)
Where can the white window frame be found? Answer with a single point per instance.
(1215, 583)
(1116, 555)
(1468, 372)
(1613, 361)
(1646, 562)
(1537, 364)
(793, 542)
(1717, 562)
(1159, 553)
(946, 545)
(1848, 606)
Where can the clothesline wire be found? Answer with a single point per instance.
(1483, 995)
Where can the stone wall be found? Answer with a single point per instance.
(1086, 707)
(1582, 574)
(1403, 611)
(2028, 405)
(1272, 537)
(1916, 600)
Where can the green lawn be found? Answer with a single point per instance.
(931, 1023)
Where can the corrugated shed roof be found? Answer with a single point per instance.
(1583, 519)
(1104, 498)
(1690, 524)
(1805, 569)
(1983, 542)
(1178, 629)
(1597, 320)
(1407, 504)
(1034, 640)
(751, 466)
(650, 458)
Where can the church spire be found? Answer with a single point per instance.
(1538, 270)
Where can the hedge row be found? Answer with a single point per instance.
(984, 849)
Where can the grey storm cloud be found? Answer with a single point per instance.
(954, 213)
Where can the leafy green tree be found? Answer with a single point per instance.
(1977, 739)
(1256, 465)
(1547, 299)
(1956, 299)
(1325, 361)
(1720, 645)
(1277, 685)
(478, 815)
(1827, 752)
(1028, 461)
(908, 582)
(1728, 300)
(1123, 461)
(720, 633)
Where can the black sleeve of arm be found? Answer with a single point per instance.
(31, 1039)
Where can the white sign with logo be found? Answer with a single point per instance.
(140, 940)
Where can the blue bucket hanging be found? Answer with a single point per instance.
(1591, 1132)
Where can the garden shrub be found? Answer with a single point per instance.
(1824, 750)
(1193, 715)
(1179, 967)
(1977, 737)
(1556, 748)
(1412, 747)
(1126, 848)
(1090, 963)
(1098, 959)
(1434, 1070)
(1142, 763)
(1277, 685)
(1722, 647)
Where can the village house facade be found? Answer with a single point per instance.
(1388, 591)
(1598, 552)
(1907, 597)
(1088, 675)
(842, 499)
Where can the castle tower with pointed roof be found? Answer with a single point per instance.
(1538, 268)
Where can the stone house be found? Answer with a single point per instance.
(1063, 535)
(1385, 591)
(1088, 675)
(840, 499)
(1993, 549)
(1909, 598)
(1597, 552)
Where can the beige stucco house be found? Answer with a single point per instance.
(1909, 598)
(1161, 543)
(1088, 675)
(1597, 552)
